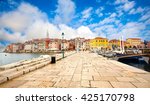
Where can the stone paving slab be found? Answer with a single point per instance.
(122, 85)
(3, 79)
(82, 70)
(100, 84)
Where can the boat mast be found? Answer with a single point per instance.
(122, 45)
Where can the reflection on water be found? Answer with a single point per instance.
(137, 62)
(7, 58)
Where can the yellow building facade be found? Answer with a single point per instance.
(114, 43)
(98, 43)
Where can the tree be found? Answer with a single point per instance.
(125, 47)
(145, 42)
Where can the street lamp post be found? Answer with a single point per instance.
(62, 45)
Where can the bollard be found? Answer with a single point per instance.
(53, 59)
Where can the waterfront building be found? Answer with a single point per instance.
(148, 44)
(79, 43)
(28, 47)
(21, 47)
(134, 42)
(41, 45)
(86, 44)
(9, 48)
(98, 43)
(35, 45)
(142, 45)
(114, 44)
(71, 44)
(66, 45)
(55, 44)
(47, 41)
(126, 44)
(15, 48)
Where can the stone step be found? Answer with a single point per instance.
(24, 68)
(3, 79)
(8, 71)
(17, 64)
(14, 75)
(32, 68)
(25, 71)
(9, 66)
(40, 65)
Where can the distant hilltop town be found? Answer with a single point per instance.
(82, 44)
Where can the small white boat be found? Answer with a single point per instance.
(45, 56)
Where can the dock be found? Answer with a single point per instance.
(82, 70)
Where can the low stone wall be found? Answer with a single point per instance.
(11, 71)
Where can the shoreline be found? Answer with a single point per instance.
(11, 71)
(13, 60)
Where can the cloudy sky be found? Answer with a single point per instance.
(22, 20)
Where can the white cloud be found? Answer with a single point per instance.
(135, 11)
(86, 13)
(82, 31)
(106, 30)
(113, 15)
(147, 22)
(120, 13)
(20, 19)
(107, 20)
(125, 5)
(132, 29)
(6, 36)
(85, 32)
(111, 19)
(39, 30)
(65, 11)
(121, 1)
(145, 16)
(28, 22)
(68, 31)
(99, 11)
(11, 3)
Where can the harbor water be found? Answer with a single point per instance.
(138, 62)
(7, 58)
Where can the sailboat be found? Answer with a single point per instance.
(121, 51)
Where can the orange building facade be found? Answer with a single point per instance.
(134, 42)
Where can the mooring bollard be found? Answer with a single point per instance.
(53, 59)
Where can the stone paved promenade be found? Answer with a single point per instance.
(86, 70)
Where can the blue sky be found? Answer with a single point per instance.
(22, 20)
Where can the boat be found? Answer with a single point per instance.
(136, 61)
